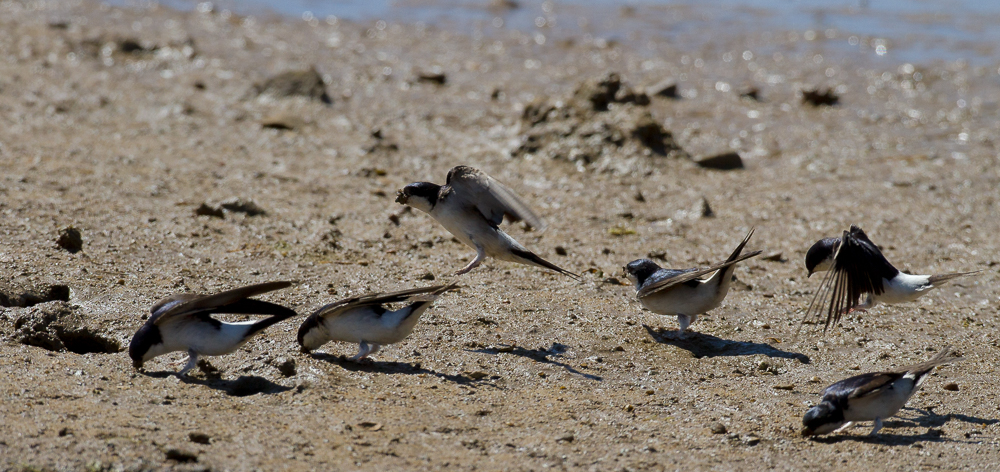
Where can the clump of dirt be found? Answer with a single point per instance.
(604, 119)
(305, 83)
(70, 239)
(56, 327)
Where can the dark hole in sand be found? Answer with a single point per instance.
(83, 341)
(252, 385)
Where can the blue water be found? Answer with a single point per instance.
(913, 30)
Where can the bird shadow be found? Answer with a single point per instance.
(925, 418)
(705, 345)
(243, 386)
(539, 355)
(392, 367)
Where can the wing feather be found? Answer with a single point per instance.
(186, 304)
(691, 275)
(340, 307)
(859, 268)
(493, 199)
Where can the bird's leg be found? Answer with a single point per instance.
(480, 256)
(844, 427)
(684, 321)
(869, 302)
(363, 350)
(375, 348)
(191, 363)
(878, 426)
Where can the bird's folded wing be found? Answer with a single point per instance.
(339, 307)
(491, 198)
(861, 385)
(189, 303)
(686, 276)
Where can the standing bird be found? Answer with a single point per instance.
(869, 397)
(365, 321)
(471, 205)
(857, 268)
(682, 292)
(184, 322)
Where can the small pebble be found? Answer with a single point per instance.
(951, 387)
(717, 428)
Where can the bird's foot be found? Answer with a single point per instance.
(191, 363)
(877, 427)
(685, 322)
(480, 256)
(472, 265)
(364, 350)
(844, 427)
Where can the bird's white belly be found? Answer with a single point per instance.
(205, 339)
(361, 324)
(473, 230)
(883, 405)
(903, 288)
(685, 300)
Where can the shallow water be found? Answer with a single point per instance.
(918, 31)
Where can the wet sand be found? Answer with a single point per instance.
(127, 124)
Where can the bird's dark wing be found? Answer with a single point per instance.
(858, 269)
(493, 200)
(339, 307)
(860, 386)
(667, 274)
(688, 275)
(185, 304)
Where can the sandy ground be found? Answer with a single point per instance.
(123, 123)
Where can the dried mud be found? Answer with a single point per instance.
(187, 162)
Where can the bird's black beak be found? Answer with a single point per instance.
(137, 365)
(401, 197)
(809, 274)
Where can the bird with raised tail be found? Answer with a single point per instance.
(856, 268)
(875, 396)
(682, 292)
(471, 205)
(365, 321)
(184, 322)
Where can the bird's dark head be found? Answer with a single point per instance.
(820, 255)
(141, 349)
(311, 334)
(822, 419)
(639, 270)
(420, 195)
